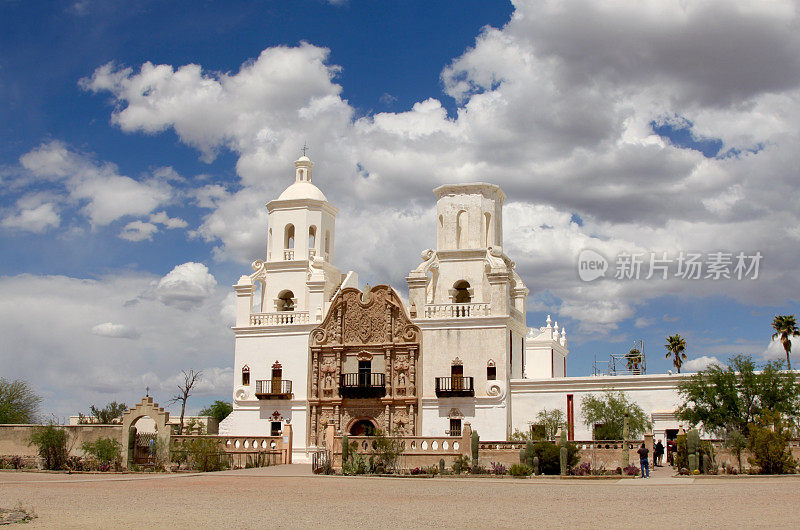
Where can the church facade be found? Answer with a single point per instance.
(311, 346)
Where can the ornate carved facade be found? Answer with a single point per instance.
(364, 364)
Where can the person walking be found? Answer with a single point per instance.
(658, 454)
(643, 462)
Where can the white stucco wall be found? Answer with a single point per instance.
(656, 394)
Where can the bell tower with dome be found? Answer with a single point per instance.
(277, 306)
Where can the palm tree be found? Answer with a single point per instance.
(676, 345)
(634, 359)
(785, 328)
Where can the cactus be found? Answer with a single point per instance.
(562, 441)
(563, 459)
(441, 466)
(475, 444)
(693, 449)
(626, 428)
(527, 455)
(535, 465)
(345, 448)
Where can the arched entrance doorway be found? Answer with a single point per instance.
(363, 427)
(141, 435)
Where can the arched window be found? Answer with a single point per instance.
(487, 234)
(312, 237)
(246, 375)
(461, 295)
(462, 222)
(286, 301)
(288, 238)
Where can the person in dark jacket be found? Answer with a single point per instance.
(658, 454)
(643, 462)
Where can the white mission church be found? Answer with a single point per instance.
(311, 346)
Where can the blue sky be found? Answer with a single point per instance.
(133, 184)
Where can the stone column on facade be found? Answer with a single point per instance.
(389, 370)
(337, 417)
(412, 371)
(466, 440)
(417, 285)
(314, 375)
(313, 426)
(287, 441)
(499, 292)
(244, 300)
(387, 426)
(412, 425)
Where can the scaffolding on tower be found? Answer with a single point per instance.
(632, 363)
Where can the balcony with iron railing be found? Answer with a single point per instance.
(454, 386)
(274, 389)
(362, 385)
(467, 310)
(279, 318)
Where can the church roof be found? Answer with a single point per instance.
(302, 190)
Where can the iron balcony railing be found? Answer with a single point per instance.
(454, 386)
(362, 385)
(274, 389)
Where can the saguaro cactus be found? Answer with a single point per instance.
(526, 455)
(441, 466)
(693, 450)
(535, 465)
(563, 457)
(475, 446)
(345, 448)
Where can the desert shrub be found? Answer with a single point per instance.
(432, 470)
(769, 443)
(51, 441)
(519, 470)
(203, 454)
(478, 470)
(356, 464)
(681, 457)
(630, 471)
(461, 464)
(105, 450)
(417, 471)
(582, 470)
(386, 452)
(550, 457)
(498, 468)
(12, 462)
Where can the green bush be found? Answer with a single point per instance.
(769, 443)
(203, 454)
(105, 450)
(356, 464)
(519, 470)
(461, 464)
(51, 441)
(550, 457)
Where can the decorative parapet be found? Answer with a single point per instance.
(470, 310)
(279, 318)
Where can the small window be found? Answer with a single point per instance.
(275, 428)
(288, 237)
(246, 376)
(455, 426)
(491, 373)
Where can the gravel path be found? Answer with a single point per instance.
(267, 498)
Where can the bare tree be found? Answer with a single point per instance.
(184, 391)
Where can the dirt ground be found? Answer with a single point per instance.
(289, 497)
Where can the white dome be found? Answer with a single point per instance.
(302, 190)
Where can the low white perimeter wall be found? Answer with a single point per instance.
(254, 418)
(656, 394)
